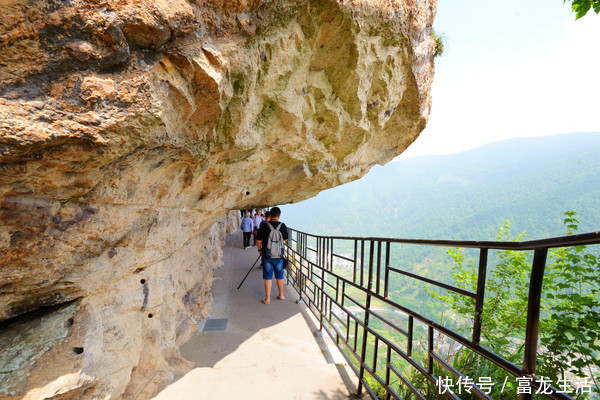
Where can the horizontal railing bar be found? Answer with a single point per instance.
(339, 277)
(388, 343)
(496, 359)
(340, 321)
(389, 323)
(501, 362)
(417, 366)
(356, 320)
(405, 381)
(480, 393)
(348, 347)
(535, 383)
(449, 393)
(560, 241)
(346, 357)
(435, 283)
(343, 257)
(328, 284)
(401, 353)
(355, 302)
(380, 380)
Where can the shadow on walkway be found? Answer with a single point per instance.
(266, 351)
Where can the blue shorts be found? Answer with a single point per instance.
(270, 264)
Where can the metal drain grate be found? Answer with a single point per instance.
(215, 325)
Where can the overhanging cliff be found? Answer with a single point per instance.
(129, 129)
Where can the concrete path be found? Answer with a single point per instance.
(266, 351)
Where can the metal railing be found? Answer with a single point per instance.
(343, 304)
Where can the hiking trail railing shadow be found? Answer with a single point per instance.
(346, 283)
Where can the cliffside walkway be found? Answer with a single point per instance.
(265, 351)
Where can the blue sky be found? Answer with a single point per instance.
(511, 69)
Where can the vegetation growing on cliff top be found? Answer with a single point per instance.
(439, 42)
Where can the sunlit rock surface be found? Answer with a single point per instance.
(127, 132)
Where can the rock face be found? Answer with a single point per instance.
(127, 132)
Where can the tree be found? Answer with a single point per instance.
(570, 308)
(504, 312)
(572, 326)
(581, 7)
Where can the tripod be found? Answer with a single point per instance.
(242, 282)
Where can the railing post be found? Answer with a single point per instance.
(430, 348)
(363, 352)
(331, 254)
(362, 262)
(287, 260)
(304, 245)
(533, 314)
(387, 370)
(483, 255)
(387, 270)
(355, 260)
(409, 343)
(322, 256)
(300, 251)
(378, 267)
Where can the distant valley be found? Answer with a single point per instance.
(468, 195)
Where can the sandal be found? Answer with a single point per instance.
(281, 298)
(264, 301)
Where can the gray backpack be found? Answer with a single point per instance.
(275, 245)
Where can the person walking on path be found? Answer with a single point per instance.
(257, 220)
(270, 244)
(247, 226)
(267, 219)
(264, 221)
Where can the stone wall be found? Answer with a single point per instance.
(129, 129)
(120, 336)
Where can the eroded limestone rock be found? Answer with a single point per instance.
(128, 130)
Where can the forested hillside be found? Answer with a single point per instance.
(468, 195)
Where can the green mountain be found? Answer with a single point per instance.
(468, 195)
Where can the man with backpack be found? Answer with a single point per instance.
(270, 243)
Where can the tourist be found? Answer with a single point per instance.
(267, 218)
(270, 244)
(247, 226)
(256, 221)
